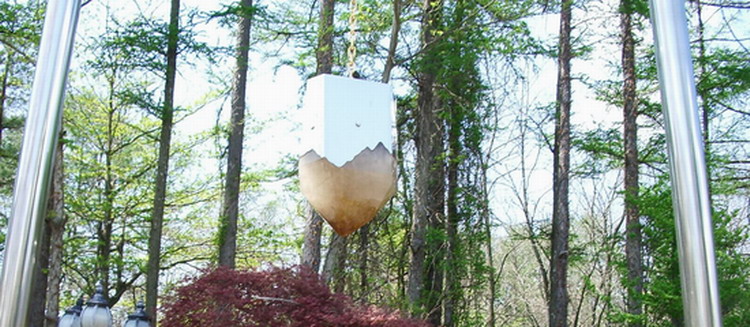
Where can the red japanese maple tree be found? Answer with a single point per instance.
(293, 297)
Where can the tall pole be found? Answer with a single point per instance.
(690, 197)
(37, 156)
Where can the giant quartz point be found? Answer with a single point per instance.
(348, 197)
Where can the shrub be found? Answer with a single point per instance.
(294, 297)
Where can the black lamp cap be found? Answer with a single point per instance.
(140, 313)
(98, 299)
(76, 309)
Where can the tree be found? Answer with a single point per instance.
(462, 92)
(429, 171)
(108, 164)
(162, 168)
(278, 297)
(324, 65)
(335, 263)
(230, 206)
(630, 137)
(558, 303)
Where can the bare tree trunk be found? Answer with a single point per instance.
(162, 170)
(56, 220)
(452, 281)
(230, 205)
(630, 137)
(333, 269)
(104, 229)
(336, 262)
(35, 316)
(525, 202)
(4, 93)
(364, 257)
(403, 136)
(324, 57)
(558, 305)
(434, 290)
(428, 183)
(700, 72)
(492, 281)
(390, 60)
(324, 52)
(311, 245)
(703, 92)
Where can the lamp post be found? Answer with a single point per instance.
(72, 316)
(96, 313)
(35, 162)
(139, 318)
(690, 196)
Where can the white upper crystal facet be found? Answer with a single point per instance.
(343, 116)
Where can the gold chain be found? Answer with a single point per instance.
(352, 50)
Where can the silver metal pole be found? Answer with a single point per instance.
(700, 293)
(37, 156)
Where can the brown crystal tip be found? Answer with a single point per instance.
(348, 197)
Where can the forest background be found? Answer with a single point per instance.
(532, 158)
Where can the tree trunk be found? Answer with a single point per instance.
(364, 257)
(35, 316)
(335, 262)
(452, 281)
(433, 293)
(390, 60)
(56, 221)
(324, 58)
(488, 246)
(428, 183)
(558, 305)
(333, 269)
(700, 74)
(230, 206)
(162, 166)
(104, 230)
(630, 137)
(324, 52)
(311, 246)
(4, 93)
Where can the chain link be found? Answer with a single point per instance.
(351, 52)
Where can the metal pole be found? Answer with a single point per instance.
(37, 156)
(690, 197)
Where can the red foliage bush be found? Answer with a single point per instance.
(294, 297)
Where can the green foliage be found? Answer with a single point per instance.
(603, 149)
(663, 297)
(229, 14)
(726, 78)
(141, 44)
(108, 160)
